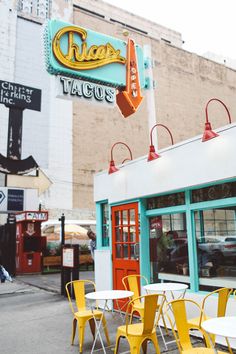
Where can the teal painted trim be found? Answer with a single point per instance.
(192, 249)
(144, 241)
(214, 204)
(136, 200)
(169, 210)
(99, 226)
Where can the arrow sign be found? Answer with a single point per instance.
(40, 182)
(129, 100)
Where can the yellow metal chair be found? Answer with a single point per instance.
(182, 336)
(131, 282)
(81, 313)
(223, 295)
(139, 333)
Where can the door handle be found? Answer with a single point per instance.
(136, 251)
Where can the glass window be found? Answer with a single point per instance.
(216, 244)
(168, 245)
(165, 201)
(219, 191)
(105, 225)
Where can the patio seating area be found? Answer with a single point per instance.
(139, 329)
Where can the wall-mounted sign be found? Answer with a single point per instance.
(75, 89)
(15, 95)
(32, 215)
(68, 259)
(15, 199)
(11, 199)
(78, 52)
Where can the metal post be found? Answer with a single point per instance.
(62, 220)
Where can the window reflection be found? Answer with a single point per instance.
(118, 251)
(168, 245)
(125, 250)
(105, 225)
(118, 234)
(216, 243)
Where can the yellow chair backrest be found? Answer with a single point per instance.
(78, 287)
(131, 282)
(223, 295)
(180, 316)
(150, 305)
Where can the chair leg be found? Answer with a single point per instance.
(155, 343)
(104, 323)
(117, 344)
(229, 347)
(74, 323)
(92, 326)
(209, 339)
(164, 322)
(81, 336)
(144, 346)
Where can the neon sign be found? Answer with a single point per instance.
(84, 54)
(84, 58)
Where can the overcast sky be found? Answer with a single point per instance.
(206, 25)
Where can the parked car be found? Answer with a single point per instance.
(219, 247)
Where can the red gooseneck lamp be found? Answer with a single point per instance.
(112, 166)
(152, 153)
(209, 133)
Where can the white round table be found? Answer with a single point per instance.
(109, 295)
(221, 326)
(105, 295)
(166, 287)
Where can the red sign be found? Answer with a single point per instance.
(129, 100)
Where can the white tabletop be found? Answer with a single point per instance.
(109, 295)
(221, 326)
(165, 287)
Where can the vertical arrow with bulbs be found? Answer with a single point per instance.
(130, 98)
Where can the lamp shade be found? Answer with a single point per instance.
(152, 155)
(112, 167)
(208, 132)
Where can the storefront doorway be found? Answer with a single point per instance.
(125, 242)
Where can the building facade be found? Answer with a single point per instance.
(72, 140)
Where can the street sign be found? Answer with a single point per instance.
(15, 200)
(16, 95)
(18, 199)
(2, 197)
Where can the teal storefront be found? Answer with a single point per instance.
(171, 219)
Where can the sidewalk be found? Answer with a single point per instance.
(48, 282)
(36, 319)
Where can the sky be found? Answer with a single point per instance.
(205, 25)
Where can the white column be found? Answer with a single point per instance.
(151, 108)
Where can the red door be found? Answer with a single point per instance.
(125, 242)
